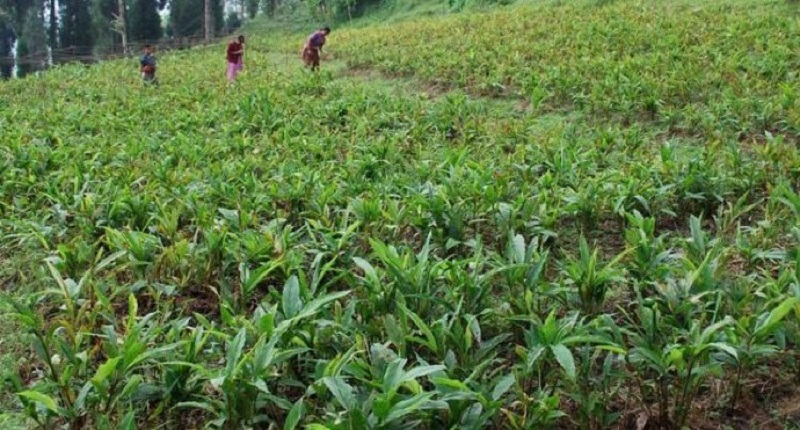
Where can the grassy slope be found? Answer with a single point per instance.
(195, 125)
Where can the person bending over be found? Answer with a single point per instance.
(313, 48)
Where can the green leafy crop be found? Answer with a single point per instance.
(553, 215)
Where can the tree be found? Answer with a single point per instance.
(218, 16)
(104, 15)
(7, 38)
(19, 12)
(333, 9)
(208, 25)
(53, 28)
(185, 21)
(183, 18)
(232, 22)
(32, 46)
(145, 21)
(252, 7)
(214, 18)
(76, 35)
(119, 24)
(21, 21)
(270, 7)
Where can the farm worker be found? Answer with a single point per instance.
(241, 58)
(313, 47)
(235, 51)
(148, 63)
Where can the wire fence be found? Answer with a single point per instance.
(90, 54)
(263, 57)
(87, 54)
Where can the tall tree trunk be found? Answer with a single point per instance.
(209, 22)
(53, 25)
(122, 29)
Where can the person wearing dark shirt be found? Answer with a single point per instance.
(234, 54)
(313, 48)
(148, 65)
(241, 57)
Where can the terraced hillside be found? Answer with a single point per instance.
(546, 216)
